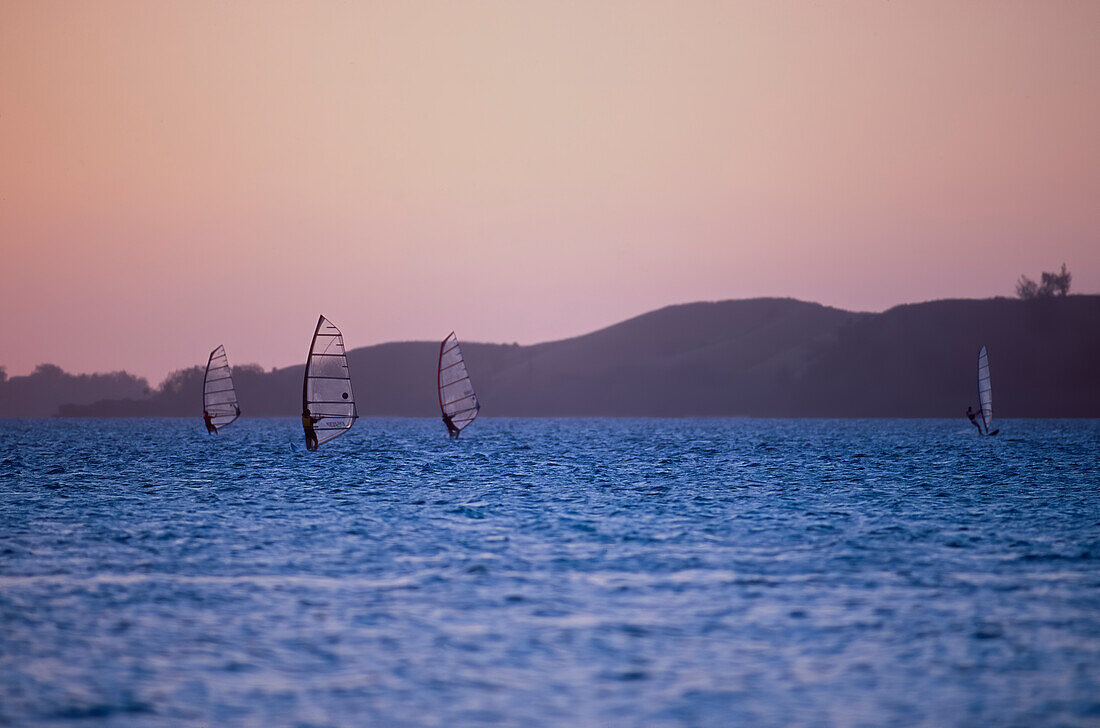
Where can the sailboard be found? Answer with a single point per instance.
(985, 392)
(219, 397)
(326, 388)
(457, 400)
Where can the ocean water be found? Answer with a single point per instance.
(550, 573)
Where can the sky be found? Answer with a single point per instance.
(178, 175)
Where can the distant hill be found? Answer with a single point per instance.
(757, 357)
(920, 360)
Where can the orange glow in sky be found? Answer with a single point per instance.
(178, 175)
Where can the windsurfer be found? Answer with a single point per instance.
(308, 421)
(451, 429)
(211, 429)
(974, 419)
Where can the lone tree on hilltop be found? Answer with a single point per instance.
(1053, 284)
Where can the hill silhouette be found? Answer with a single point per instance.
(48, 387)
(755, 357)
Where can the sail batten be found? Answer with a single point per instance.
(219, 401)
(457, 399)
(985, 389)
(326, 388)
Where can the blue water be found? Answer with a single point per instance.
(550, 573)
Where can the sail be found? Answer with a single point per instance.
(219, 398)
(326, 391)
(985, 389)
(456, 392)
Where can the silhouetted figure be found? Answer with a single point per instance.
(211, 429)
(308, 421)
(451, 429)
(974, 419)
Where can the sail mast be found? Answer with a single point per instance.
(457, 399)
(985, 388)
(219, 396)
(326, 385)
(309, 360)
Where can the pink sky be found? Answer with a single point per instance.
(174, 176)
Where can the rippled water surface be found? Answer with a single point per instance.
(550, 572)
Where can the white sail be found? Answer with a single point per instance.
(985, 389)
(456, 392)
(219, 398)
(326, 391)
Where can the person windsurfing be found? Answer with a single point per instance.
(308, 421)
(211, 428)
(974, 419)
(452, 431)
